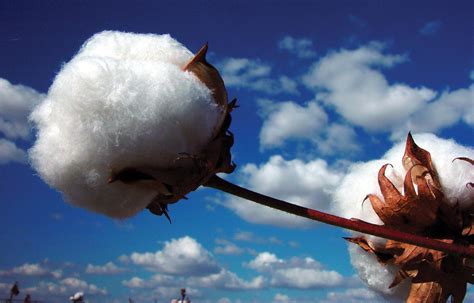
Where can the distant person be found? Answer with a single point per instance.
(14, 291)
(27, 299)
(183, 299)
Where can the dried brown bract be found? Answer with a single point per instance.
(423, 209)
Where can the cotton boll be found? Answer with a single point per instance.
(131, 46)
(376, 276)
(453, 175)
(123, 101)
(349, 196)
(362, 180)
(362, 177)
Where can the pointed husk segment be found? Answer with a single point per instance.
(435, 275)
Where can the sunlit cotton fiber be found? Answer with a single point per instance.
(122, 101)
(362, 180)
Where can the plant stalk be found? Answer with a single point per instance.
(351, 224)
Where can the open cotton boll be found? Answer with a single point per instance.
(453, 175)
(362, 180)
(123, 101)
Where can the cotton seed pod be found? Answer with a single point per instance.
(425, 209)
(132, 121)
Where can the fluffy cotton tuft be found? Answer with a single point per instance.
(122, 101)
(362, 180)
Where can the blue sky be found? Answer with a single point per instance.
(320, 85)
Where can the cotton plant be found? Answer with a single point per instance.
(137, 121)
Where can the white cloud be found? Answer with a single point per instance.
(225, 247)
(306, 278)
(246, 236)
(354, 295)
(154, 281)
(65, 287)
(9, 152)
(226, 279)
(301, 48)
(349, 81)
(288, 85)
(178, 256)
(252, 74)
(33, 270)
(107, 269)
(281, 298)
(135, 282)
(352, 82)
(124, 259)
(431, 28)
(57, 274)
(300, 273)
(337, 138)
(446, 110)
(264, 261)
(285, 120)
(29, 269)
(16, 102)
(304, 183)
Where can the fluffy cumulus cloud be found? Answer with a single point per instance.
(178, 256)
(225, 247)
(337, 138)
(446, 110)
(281, 298)
(355, 295)
(362, 180)
(185, 262)
(9, 152)
(299, 273)
(58, 291)
(431, 28)
(352, 82)
(33, 270)
(226, 279)
(30, 269)
(107, 269)
(16, 102)
(252, 74)
(290, 121)
(277, 178)
(306, 278)
(154, 281)
(300, 47)
(349, 81)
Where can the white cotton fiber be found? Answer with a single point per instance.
(362, 180)
(122, 101)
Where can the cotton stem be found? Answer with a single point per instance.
(351, 224)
